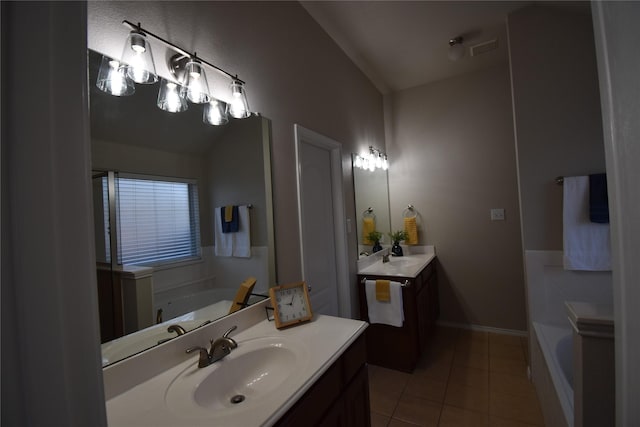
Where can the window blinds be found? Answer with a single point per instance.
(157, 220)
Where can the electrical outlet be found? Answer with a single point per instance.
(497, 214)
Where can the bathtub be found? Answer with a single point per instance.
(556, 345)
(176, 305)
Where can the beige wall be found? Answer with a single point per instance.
(452, 156)
(557, 113)
(294, 72)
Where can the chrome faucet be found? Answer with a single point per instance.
(220, 348)
(385, 258)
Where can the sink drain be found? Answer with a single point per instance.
(238, 398)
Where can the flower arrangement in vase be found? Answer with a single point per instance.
(397, 237)
(375, 236)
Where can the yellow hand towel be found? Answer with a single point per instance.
(411, 228)
(368, 225)
(228, 213)
(383, 291)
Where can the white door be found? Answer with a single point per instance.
(322, 230)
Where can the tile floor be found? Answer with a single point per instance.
(468, 378)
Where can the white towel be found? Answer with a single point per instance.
(586, 243)
(236, 244)
(242, 239)
(387, 313)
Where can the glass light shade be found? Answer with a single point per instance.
(112, 78)
(215, 113)
(239, 107)
(171, 97)
(195, 82)
(138, 59)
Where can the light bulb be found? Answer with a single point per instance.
(173, 99)
(215, 113)
(358, 161)
(135, 69)
(118, 79)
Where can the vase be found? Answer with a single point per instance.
(396, 249)
(376, 246)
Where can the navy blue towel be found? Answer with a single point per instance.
(598, 198)
(234, 224)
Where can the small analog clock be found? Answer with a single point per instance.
(291, 304)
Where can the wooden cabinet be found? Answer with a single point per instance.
(400, 347)
(340, 398)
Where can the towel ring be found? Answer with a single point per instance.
(368, 213)
(409, 212)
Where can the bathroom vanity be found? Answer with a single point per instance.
(400, 347)
(311, 374)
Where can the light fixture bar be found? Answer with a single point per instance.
(178, 49)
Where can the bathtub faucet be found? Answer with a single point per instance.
(177, 329)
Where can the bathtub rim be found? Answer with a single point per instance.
(548, 336)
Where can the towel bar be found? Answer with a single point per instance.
(406, 283)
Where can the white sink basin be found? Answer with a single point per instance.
(402, 262)
(242, 381)
(403, 266)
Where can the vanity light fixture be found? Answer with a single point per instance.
(117, 77)
(374, 159)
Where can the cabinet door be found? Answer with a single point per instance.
(356, 399)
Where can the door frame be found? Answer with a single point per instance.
(339, 217)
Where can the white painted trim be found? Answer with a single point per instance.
(615, 32)
(54, 335)
(481, 328)
(339, 216)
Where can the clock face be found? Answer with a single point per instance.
(291, 304)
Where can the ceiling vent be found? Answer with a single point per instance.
(483, 47)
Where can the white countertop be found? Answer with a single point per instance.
(404, 266)
(324, 339)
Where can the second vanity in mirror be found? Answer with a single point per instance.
(143, 304)
(371, 190)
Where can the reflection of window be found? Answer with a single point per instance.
(157, 220)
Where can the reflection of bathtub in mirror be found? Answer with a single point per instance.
(139, 341)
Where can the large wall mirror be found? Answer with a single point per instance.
(145, 303)
(371, 189)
